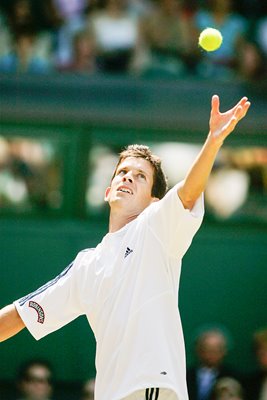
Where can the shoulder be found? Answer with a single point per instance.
(83, 255)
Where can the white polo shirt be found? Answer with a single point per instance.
(128, 289)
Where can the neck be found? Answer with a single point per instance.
(116, 222)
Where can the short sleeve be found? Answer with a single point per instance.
(53, 305)
(172, 224)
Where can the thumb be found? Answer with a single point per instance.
(215, 104)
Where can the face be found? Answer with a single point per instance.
(130, 190)
(211, 350)
(37, 386)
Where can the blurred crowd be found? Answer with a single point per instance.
(29, 175)
(212, 378)
(156, 38)
(32, 177)
(36, 381)
(208, 378)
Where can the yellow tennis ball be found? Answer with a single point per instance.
(210, 39)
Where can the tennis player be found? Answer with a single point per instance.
(128, 285)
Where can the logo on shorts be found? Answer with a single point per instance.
(39, 310)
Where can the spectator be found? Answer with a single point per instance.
(28, 47)
(84, 54)
(256, 383)
(115, 31)
(211, 350)
(35, 380)
(24, 56)
(88, 389)
(72, 14)
(229, 60)
(227, 389)
(169, 39)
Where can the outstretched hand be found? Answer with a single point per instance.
(222, 124)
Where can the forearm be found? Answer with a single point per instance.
(198, 175)
(221, 125)
(10, 322)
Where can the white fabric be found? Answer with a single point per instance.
(128, 288)
(115, 33)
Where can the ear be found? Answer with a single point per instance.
(107, 191)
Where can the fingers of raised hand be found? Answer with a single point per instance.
(239, 113)
(243, 102)
(242, 109)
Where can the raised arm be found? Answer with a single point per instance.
(10, 322)
(221, 125)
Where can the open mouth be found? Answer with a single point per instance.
(125, 190)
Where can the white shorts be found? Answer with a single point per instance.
(152, 394)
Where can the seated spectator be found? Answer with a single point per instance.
(256, 383)
(29, 48)
(84, 54)
(229, 60)
(72, 15)
(24, 57)
(115, 32)
(168, 37)
(35, 380)
(211, 349)
(88, 389)
(227, 389)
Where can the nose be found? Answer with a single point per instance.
(127, 178)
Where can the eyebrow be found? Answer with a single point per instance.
(127, 167)
(141, 171)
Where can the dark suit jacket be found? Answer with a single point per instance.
(253, 385)
(224, 371)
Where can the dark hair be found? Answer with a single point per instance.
(159, 187)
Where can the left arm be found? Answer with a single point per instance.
(221, 125)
